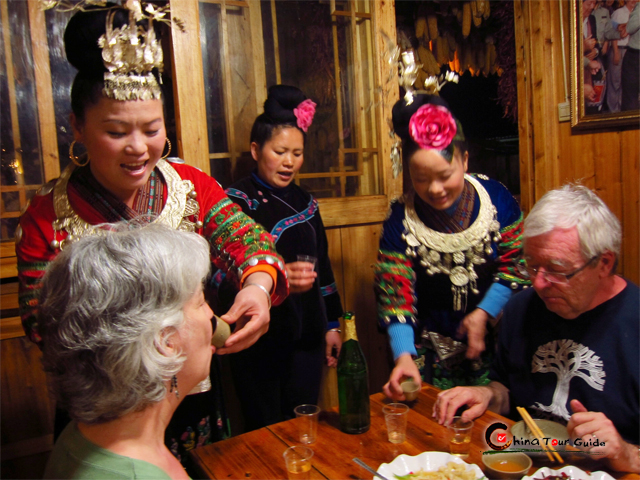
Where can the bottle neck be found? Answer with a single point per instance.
(350, 330)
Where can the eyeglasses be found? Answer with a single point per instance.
(552, 277)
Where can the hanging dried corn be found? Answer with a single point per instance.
(466, 19)
(432, 24)
(475, 15)
(429, 63)
(487, 9)
(487, 54)
(421, 26)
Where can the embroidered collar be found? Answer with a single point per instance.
(275, 190)
(180, 205)
(453, 254)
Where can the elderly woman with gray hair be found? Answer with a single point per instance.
(127, 334)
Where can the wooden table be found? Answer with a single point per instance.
(258, 454)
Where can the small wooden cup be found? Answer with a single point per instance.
(221, 332)
(410, 390)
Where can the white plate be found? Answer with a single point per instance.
(574, 473)
(404, 464)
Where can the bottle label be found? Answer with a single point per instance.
(350, 330)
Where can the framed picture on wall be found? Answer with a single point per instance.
(604, 87)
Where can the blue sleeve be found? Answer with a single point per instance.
(495, 299)
(401, 339)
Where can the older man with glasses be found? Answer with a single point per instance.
(568, 347)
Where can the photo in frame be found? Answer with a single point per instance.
(596, 67)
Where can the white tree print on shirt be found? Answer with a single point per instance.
(567, 359)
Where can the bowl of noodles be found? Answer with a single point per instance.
(430, 466)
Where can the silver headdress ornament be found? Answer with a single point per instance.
(433, 84)
(131, 52)
(408, 69)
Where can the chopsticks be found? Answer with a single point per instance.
(533, 426)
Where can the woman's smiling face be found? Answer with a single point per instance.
(281, 157)
(124, 140)
(438, 182)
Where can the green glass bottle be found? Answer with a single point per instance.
(353, 381)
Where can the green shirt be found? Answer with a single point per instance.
(74, 456)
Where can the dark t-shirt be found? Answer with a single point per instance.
(546, 361)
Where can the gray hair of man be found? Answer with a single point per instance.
(574, 205)
(109, 305)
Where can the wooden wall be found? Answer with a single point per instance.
(551, 154)
(353, 251)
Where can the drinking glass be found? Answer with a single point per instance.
(460, 437)
(307, 416)
(395, 416)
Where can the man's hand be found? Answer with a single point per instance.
(475, 326)
(449, 401)
(405, 367)
(591, 426)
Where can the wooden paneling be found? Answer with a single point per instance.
(353, 210)
(27, 410)
(360, 249)
(44, 93)
(353, 252)
(630, 151)
(191, 114)
(551, 154)
(329, 392)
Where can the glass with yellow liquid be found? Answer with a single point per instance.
(460, 437)
(298, 462)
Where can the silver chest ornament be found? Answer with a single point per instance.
(453, 254)
(181, 205)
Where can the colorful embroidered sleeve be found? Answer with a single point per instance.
(509, 247)
(394, 287)
(394, 278)
(238, 242)
(34, 255)
(509, 254)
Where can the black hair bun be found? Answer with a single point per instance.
(280, 103)
(401, 113)
(81, 38)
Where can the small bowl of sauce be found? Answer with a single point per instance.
(506, 465)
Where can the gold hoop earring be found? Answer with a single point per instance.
(75, 159)
(168, 151)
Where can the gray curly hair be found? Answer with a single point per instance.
(574, 205)
(109, 304)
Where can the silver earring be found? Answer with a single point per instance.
(174, 386)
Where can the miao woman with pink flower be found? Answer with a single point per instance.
(448, 255)
(283, 369)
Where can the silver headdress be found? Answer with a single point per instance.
(131, 52)
(407, 70)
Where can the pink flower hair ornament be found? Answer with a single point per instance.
(304, 113)
(433, 127)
